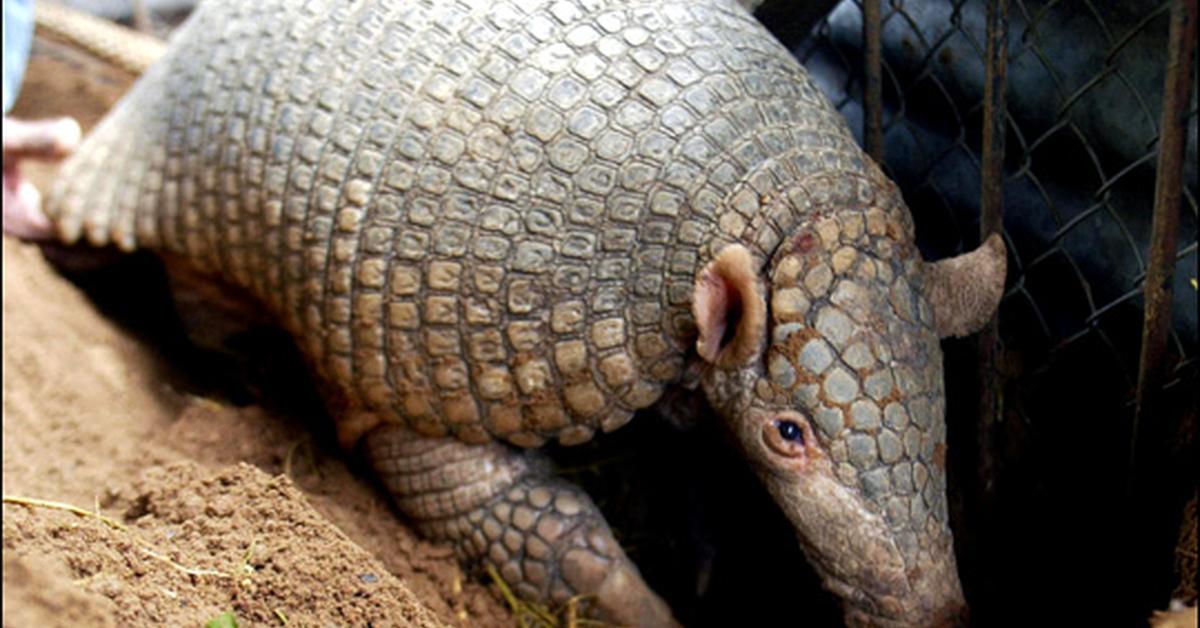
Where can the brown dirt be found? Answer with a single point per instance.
(91, 418)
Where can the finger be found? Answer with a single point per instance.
(23, 217)
(40, 139)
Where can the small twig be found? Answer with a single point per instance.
(206, 404)
(513, 603)
(542, 616)
(245, 565)
(282, 618)
(520, 610)
(191, 571)
(287, 459)
(290, 456)
(572, 612)
(33, 502)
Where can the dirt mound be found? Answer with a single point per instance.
(212, 508)
(198, 545)
(89, 421)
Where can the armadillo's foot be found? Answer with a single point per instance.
(42, 140)
(542, 534)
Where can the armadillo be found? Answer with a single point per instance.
(492, 225)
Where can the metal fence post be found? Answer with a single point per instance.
(1148, 468)
(873, 85)
(1165, 228)
(991, 220)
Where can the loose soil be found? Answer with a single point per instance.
(220, 508)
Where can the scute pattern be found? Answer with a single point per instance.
(542, 535)
(482, 219)
(853, 347)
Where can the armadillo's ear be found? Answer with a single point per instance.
(730, 309)
(965, 290)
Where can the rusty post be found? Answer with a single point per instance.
(995, 119)
(991, 220)
(873, 85)
(1148, 470)
(1164, 235)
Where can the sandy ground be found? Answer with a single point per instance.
(210, 508)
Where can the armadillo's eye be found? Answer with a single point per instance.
(787, 434)
(789, 431)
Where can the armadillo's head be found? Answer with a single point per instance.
(825, 361)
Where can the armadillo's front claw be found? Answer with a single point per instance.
(618, 592)
(548, 540)
(542, 535)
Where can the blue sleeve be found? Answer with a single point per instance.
(18, 36)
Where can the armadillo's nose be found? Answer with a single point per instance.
(933, 599)
(953, 615)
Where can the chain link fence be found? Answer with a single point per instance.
(1054, 514)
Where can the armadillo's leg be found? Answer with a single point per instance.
(542, 534)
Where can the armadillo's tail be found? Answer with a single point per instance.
(159, 171)
(110, 191)
(107, 191)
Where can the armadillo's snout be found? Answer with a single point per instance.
(923, 612)
(934, 600)
(885, 555)
(954, 616)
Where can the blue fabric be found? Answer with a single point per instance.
(18, 36)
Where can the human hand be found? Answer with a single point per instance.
(43, 140)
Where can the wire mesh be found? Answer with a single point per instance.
(1084, 97)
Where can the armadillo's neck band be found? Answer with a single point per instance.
(770, 219)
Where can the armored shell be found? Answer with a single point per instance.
(480, 218)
